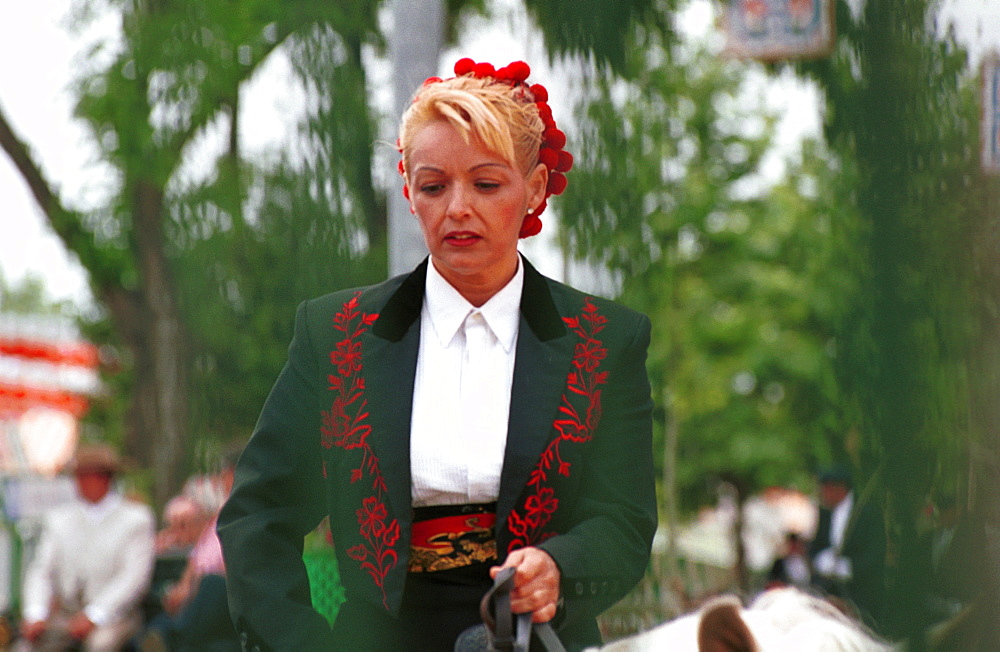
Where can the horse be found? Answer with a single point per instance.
(779, 620)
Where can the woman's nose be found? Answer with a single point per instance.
(458, 202)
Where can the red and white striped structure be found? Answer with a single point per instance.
(47, 375)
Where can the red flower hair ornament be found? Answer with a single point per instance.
(551, 153)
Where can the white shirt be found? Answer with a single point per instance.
(461, 393)
(829, 561)
(838, 520)
(98, 557)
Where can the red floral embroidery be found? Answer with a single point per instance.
(371, 518)
(579, 415)
(345, 426)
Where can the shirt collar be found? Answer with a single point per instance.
(448, 309)
(100, 509)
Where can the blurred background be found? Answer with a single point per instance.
(802, 195)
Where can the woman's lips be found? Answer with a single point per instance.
(462, 238)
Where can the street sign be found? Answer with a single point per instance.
(770, 30)
(990, 121)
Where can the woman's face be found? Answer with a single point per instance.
(470, 202)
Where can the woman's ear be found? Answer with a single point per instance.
(538, 180)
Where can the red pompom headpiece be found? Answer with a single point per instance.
(551, 153)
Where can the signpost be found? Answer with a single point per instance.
(990, 122)
(770, 30)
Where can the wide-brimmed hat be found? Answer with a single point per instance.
(95, 458)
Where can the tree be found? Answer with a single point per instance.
(900, 111)
(732, 281)
(180, 67)
(738, 278)
(28, 297)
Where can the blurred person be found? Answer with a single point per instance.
(791, 568)
(92, 566)
(849, 548)
(468, 416)
(195, 609)
(763, 530)
(184, 520)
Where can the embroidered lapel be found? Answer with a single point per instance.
(543, 358)
(555, 404)
(371, 421)
(392, 359)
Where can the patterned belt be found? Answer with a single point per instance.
(451, 536)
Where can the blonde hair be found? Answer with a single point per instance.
(502, 117)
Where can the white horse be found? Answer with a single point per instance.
(779, 620)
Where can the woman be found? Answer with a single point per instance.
(469, 416)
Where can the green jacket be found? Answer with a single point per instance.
(333, 439)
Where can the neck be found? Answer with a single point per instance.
(480, 288)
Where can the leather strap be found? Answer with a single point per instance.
(504, 633)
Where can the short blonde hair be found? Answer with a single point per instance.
(501, 116)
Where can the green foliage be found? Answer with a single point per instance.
(903, 117)
(596, 28)
(901, 112)
(739, 285)
(224, 258)
(241, 289)
(251, 243)
(28, 297)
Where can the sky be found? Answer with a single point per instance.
(39, 51)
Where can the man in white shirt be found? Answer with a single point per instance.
(829, 562)
(92, 566)
(848, 551)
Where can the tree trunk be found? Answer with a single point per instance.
(147, 318)
(161, 374)
(985, 414)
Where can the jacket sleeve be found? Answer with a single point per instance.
(277, 499)
(606, 549)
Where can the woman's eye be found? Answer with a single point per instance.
(431, 188)
(487, 185)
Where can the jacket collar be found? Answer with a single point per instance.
(403, 307)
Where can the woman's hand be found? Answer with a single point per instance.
(536, 583)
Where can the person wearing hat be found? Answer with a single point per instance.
(92, 565)
(196, 609)
(848, 551)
